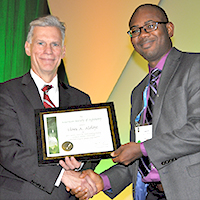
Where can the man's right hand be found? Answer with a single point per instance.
(81, 193)
(72, 180)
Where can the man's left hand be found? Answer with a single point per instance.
(70, 163)
(127, 153)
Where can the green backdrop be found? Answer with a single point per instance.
(15, 18)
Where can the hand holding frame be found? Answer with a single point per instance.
(127, 153)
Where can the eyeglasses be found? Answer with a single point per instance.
(149, 27)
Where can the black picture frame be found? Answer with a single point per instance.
(43, 122)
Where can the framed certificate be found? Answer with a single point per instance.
(86, 132)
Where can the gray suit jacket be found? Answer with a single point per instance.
(175, 147)
(20, 176)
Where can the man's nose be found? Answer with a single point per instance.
(143, 32)
(48, 49)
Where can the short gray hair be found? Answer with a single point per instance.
(48, 20)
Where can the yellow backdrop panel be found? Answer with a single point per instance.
(97, 44)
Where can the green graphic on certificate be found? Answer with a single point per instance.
(52, 135)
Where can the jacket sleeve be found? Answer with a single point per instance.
(120, 177)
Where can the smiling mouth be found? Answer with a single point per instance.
(147, 44)
(47, 59)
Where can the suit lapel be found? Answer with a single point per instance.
(30, 91)
(168, 72)
(63, 95)
(140, 106)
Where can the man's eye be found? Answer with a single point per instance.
(40, 43)
(150, 26)
(135, 31)
(55, 44)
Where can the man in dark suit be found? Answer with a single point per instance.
(173, 143)
(20, 175)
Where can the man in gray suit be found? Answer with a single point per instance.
(173, 142)
(20, 176)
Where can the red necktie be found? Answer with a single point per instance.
(47, 101)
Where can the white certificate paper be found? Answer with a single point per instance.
(78, 132)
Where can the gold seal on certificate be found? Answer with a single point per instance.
(87, 132)
(67, 146)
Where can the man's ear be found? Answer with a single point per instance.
(170, 29)
(63, 51)
(27, 47)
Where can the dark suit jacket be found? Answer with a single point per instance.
(175, 147)
(20, 176)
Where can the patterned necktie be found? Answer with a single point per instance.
(144, 162)
(153, 92)
(47, 101)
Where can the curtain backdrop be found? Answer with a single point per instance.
(15, 18)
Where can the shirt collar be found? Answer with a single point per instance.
(161, 63)
(40, 83)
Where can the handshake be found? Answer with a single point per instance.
(83, 185)
(87, 183)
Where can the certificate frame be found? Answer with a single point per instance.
(46, 118)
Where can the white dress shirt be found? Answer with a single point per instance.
(53, 92)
